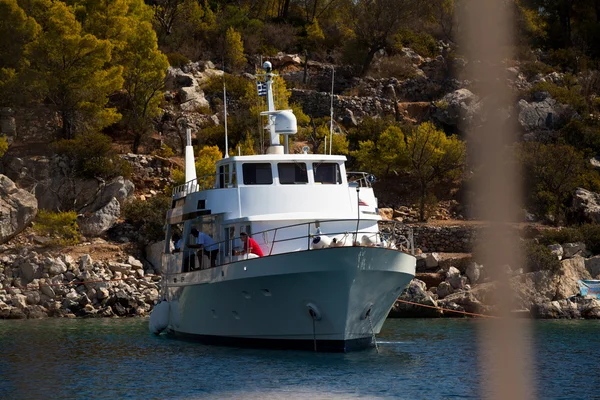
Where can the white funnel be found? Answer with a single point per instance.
(190, 166)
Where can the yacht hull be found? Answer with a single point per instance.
(334, 299)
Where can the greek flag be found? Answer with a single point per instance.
(262, 88)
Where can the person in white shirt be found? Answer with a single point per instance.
(207, 245)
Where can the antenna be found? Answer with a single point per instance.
(225, 112)
(325, 149)
(331, 111)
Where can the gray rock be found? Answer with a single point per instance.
(154, 252)
(48, 291)
(593, 266)
(444, 289)
(452, 271)
(101, 220)
(432, 260)
(29, 271)
(457, 108)
(134, 262)
(547, 114)
(572, 249)
(586, 205)
(85, 263)
(17, 209)
(557, 250)
(457, 282)
(473, 272)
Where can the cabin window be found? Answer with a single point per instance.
(292, 173)
(327, 173)
(257, 174)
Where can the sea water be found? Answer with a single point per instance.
(417, 359)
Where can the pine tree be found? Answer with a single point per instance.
(69, 69)
(145, 69)
(16, 31)
(126, 24)
(234, 51)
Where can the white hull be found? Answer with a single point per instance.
(266, 301)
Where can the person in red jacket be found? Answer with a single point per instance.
(250, 245)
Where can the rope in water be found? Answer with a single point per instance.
(447, 309)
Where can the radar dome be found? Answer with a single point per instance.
(285, 123)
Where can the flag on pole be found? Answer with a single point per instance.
(362, 203)
(262, 88)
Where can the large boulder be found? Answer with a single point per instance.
(17, 209)
(415, 293)
(457, 108)
(593, 266)
(546, 114)
(586, 206)
(540, 287)
(99, 221)
(154, 253)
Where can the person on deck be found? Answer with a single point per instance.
(208, 246)
(250, 245)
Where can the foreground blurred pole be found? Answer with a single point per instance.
(487, 30)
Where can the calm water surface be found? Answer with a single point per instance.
(418, 359)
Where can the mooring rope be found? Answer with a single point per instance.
(72, 283)
(447, 309)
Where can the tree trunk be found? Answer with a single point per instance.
(137, 139)
(422, 202)
(557, 211)
(304, 79)
(67, 125)
(369, 59)
(286, 9)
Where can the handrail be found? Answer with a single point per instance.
(363, 179)
(389, 236)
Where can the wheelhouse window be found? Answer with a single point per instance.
(292, 173)
(257, 174)
(327, 173)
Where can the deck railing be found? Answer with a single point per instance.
(391, 234)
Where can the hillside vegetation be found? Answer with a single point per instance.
(101, 66)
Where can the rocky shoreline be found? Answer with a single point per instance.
(40, 284)
(101, 279)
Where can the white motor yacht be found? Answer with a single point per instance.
(326, 272)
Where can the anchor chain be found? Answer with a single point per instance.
(313, 316)
(372, 330)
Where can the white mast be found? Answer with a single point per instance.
(190, 166)
(225, 112)
(280, 122)
(331, 113)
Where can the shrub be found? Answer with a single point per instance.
(177, 60)
(148, 215)
(591, 237)
(532, 69)
(393, 67)
(560, 236)
(60, 226)
(3, 145)
(164, 151)
(539, 257)
(237, 86)
(93, 157)
(570, 95)
(422, 43)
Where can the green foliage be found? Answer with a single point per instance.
(234, 50)
(433, 157)
(144, 73)
(583, 135)
(539, 258)
(552, 171)
(72, 70)
(205, 165)
(532, 68)
(560, 236)
(3, 145)
(569, 94)
(591, 237)
(92, 156)
(16, 30)
(164, 151)
(148, 215)
(60, 226)
(422, 43)
(177, 60)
